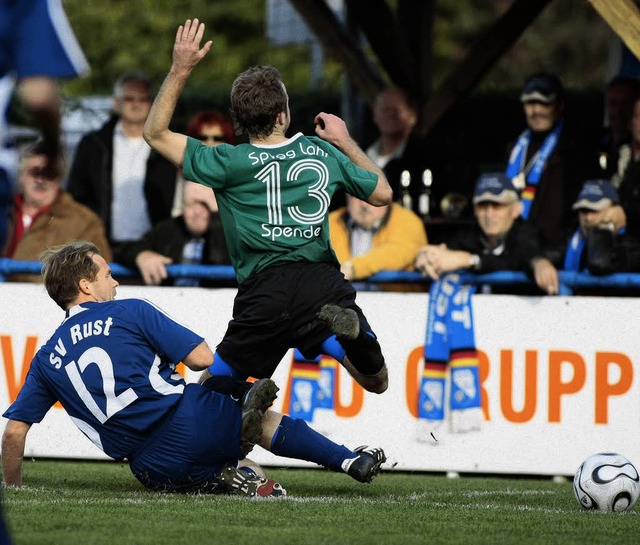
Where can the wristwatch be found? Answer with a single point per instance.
(474, 262)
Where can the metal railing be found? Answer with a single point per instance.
(213, 272)
(569, 280)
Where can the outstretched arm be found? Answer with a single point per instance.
(13, 441)
(152, 266)
(187, 53)
(334, 130)
(41, 98)
(435, 260)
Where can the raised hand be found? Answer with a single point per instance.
(187, 52)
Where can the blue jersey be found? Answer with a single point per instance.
(112, 366)
(36, 40)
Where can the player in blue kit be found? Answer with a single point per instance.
(112, 366)
(273, 196)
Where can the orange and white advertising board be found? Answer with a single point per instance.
(559, 379)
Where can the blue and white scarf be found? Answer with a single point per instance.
(517, 168)
(574, 251)
(449, 345)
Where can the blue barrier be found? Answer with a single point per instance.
(212, 272)
(569, 280)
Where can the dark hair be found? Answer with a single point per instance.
(411, 101)
(257, 97)
(633, 84)
(64, 266)
(210, 117)
(40, 147)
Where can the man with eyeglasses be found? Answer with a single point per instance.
(116, 173)
(44, 215)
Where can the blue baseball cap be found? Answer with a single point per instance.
(596, 195)
(542, 87)
(494, 187)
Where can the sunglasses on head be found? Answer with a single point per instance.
(211, 137)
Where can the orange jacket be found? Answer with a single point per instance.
(395, 245)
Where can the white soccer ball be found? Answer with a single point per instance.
(607, 482)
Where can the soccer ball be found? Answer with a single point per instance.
(607, 482)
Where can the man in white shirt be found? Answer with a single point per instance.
(115, 172)
(132, 102)
(395, 117)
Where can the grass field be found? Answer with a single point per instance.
(88, 503)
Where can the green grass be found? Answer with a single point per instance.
(88, 503)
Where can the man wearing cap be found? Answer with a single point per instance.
(501, 239)
(598, 245)
(548, 162)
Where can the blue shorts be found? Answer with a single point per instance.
(37, 40)
(188, 451)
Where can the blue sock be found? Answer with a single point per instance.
(333, 348)
(219, 367)
(294, 439)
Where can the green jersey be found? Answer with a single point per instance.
(274, 199)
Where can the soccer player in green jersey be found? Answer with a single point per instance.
(273, 196)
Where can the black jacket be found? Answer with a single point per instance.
(629, 192)
(450, 173)
(607, 253)
(169, 238)
(90, 178)
(521, 244)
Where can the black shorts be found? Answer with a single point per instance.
(277, 309)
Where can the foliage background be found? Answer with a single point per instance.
(117, 35)
(568, 38)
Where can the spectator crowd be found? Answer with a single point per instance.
(565, 200)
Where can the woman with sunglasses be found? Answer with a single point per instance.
(211, 128)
